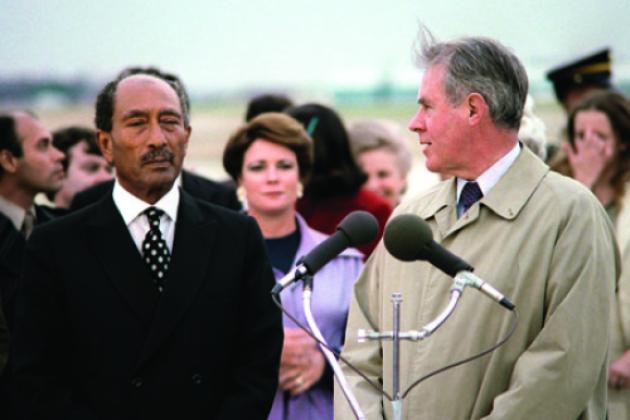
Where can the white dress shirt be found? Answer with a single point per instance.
(131, 208)
(13, 212)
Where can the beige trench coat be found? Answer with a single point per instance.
(545, 242)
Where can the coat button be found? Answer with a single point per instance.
(197, 379)
(136, 382)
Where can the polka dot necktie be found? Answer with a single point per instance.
(154, 250)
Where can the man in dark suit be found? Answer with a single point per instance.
(83, 163)
(29, 164)
(150, 304)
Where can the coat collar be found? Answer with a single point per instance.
(506, 199)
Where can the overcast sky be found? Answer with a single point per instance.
(221, 44)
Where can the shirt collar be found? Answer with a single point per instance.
(131, 206)
(491, 176)
(507, 198)
(14, 212)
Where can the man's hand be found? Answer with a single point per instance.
(590, 157)
(619, 372)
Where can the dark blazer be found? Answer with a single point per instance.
(195, 185)
(12, 244)
(4, 342)
(7, 231)
(11, 250)
(94, 339)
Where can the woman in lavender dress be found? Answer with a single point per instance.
(269, 158)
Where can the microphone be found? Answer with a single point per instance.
(357, 228)
(409, 238)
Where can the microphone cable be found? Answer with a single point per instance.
(378, 386)
(467, 359)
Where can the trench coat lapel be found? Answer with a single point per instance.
(505, 199)
(508, 197)
(111, 243)
(444, 208)
(194, 237)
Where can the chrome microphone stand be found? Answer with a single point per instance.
(413, 335)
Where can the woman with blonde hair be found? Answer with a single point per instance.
(382, 152)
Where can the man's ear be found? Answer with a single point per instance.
(104, 140)
(188, 133)
(477, 108)
(8, 162)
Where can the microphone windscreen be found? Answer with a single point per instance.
(360, 227)
(357, 228)
(408, 237)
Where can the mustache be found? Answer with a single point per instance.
(153, 154)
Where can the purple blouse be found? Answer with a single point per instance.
(332, 292)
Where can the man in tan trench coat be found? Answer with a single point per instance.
(541, 238)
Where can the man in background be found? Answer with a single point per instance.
(29, 165)
(84, 164)
(574, 80)
(268, 102)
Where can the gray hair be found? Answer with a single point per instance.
(369, 135)
(483, 66)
